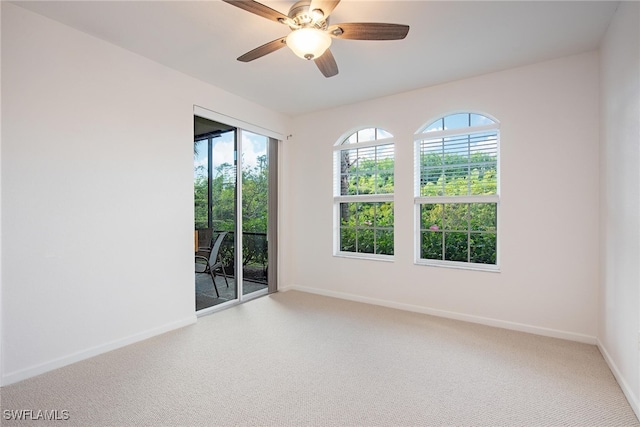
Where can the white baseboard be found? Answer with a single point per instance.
(23, 374)
(629, 394)
(521, 327)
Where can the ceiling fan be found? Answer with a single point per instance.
(311, 33)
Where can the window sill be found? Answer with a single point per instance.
(459, 265)
(370, 257)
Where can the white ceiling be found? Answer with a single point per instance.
(448, 40)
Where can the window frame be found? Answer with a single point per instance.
(420, 200)
(340, 146)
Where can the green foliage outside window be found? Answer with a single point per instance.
(367, 227)
(460, 172)
(457, 177)
(254, 210)
(463, 232)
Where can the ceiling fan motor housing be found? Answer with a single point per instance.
(305, 18)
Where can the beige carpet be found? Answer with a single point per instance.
(295, 359)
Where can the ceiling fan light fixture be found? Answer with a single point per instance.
(317, 14)
(308, 43)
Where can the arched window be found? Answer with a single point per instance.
(457, 192)
(363, 194)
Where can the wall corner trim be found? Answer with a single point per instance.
(626, 389)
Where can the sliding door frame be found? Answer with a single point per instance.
(274, 139)
(272, 222)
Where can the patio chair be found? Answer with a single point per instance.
(213, 263)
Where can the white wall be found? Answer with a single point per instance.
(97, 205)
(619, 319)
(549, 202)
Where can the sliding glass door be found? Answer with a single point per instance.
(255, 211)
(233, 245)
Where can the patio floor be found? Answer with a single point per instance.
(206, 295)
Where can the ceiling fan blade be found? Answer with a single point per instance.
(259, 9)
(263, 50)
(327, 64)
(368, 31)
(326, 6)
